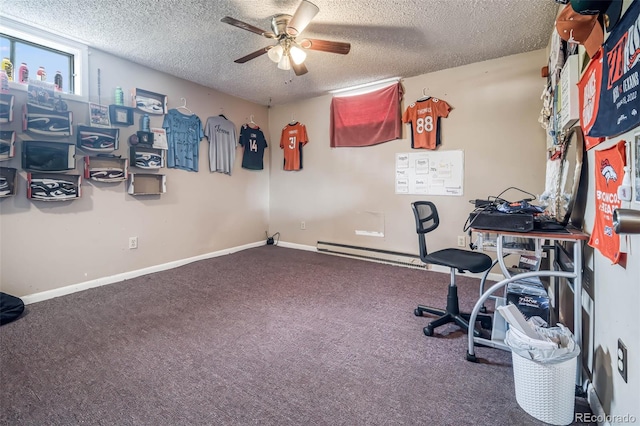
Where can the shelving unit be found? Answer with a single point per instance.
(8, 181)
(6, 108)
(46, 156)
(147, 184)
(148, 158)
(97, 139)
(106, 168)
(7, 144)
(54, 186)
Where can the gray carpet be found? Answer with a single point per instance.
(268, 336)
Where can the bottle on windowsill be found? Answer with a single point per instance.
(7, 67)
(57, 80)
(41, 74)
(23, 73)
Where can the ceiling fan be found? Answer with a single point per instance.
(288, 52)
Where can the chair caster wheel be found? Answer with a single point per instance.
(428, 331)
(471, 358)
(417, 312)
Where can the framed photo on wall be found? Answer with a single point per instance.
(150, 102)
(99, 115)
(121, 115)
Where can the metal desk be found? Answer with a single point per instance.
(574, 277)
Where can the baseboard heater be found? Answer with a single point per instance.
(374, 255)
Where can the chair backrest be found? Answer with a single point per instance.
(426, 215)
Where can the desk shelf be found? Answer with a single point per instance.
(488, 241)
(572, 275)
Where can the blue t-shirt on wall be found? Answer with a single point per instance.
(184, 133)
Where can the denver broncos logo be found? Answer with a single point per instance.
(608, 171)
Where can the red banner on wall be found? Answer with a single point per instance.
(368, 119)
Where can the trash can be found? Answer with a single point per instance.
(544, 372)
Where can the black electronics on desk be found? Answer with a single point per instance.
(492, 220)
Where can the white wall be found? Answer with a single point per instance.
(494, 120)
(616, 299)
(45, 246)
(48, 245)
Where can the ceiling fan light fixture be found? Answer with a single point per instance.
(275, 53)
(297, 55)
(304, 14)
(284, 63)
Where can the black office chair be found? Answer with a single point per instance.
(427, 220)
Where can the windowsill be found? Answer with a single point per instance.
(20, 87)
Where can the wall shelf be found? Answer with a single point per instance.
(146, 157)
(7, 144)
(147, 184)
(97, 139)
(106, 168)
(8, 181)
(53, 187)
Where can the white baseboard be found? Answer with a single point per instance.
(297, 246)
(63, 291)
(596, 406)
(434, 268)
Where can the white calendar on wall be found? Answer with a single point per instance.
(430, 173)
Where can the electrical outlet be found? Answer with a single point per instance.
(462, 241)
(133, 242)
(303, 225)
(622, 360)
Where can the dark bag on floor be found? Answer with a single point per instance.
(11, 308)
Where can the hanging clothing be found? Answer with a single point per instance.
(424, 116)
(292, 139)
(619, 101)
(609, 166)
(222, 137)
(589, 88)
(253, 141)
(184, 133)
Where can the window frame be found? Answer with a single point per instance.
(78, 50)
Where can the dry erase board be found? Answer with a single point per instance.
(430, 173)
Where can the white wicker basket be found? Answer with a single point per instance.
(546, 391)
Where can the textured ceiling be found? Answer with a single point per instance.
(389, 38)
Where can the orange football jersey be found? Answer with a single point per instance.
(293, 138)
(424, 117)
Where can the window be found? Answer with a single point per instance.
(38, 48)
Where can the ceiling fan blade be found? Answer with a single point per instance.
(253, 55)
(298, 69)
(301, 18)
(232, 21)
(326, 46)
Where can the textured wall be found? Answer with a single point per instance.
(494, 121)
(48, 245)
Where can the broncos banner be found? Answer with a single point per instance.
(609, 166)
(619, 105)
